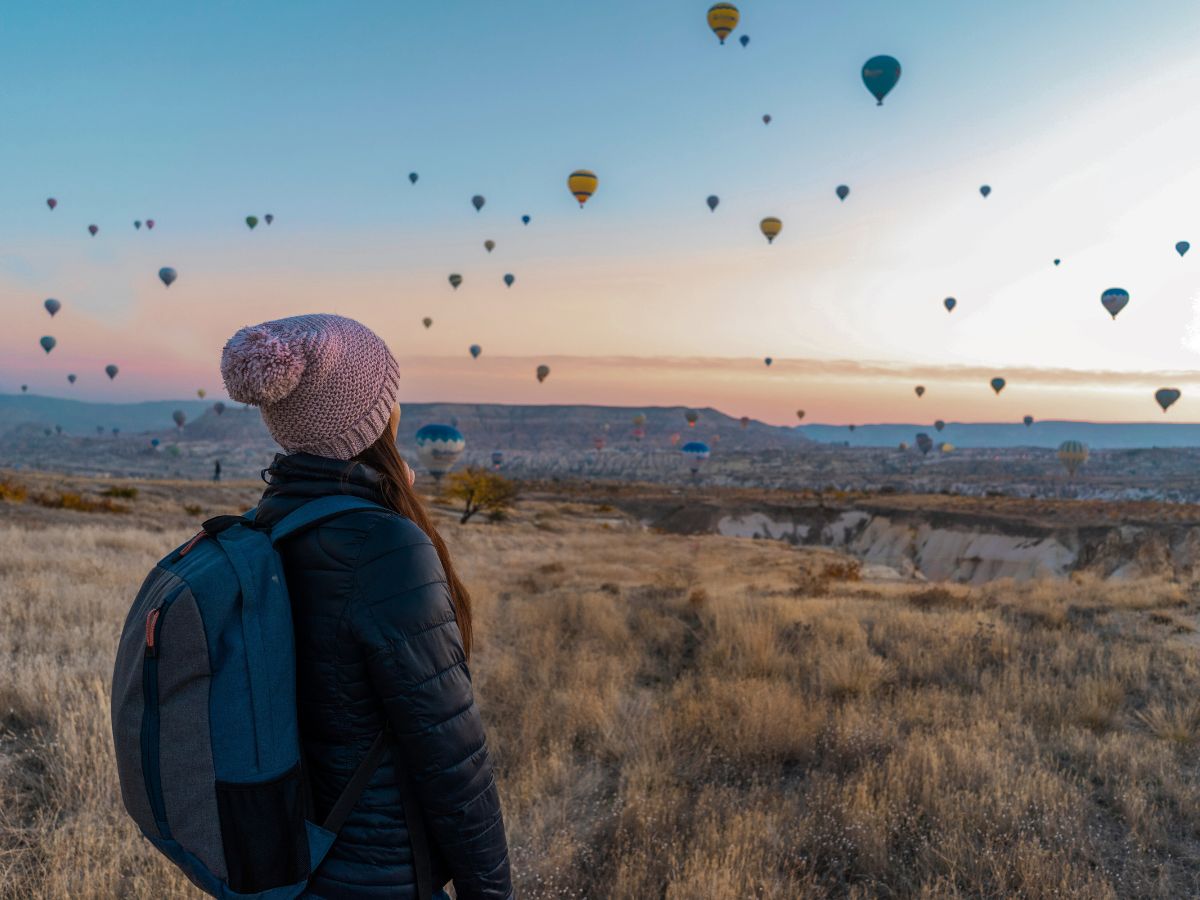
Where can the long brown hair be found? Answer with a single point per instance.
(384, 458)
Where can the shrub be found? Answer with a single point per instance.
(125, 493)
(11, 492)
(79, 503)
(480, 490)
(193, 509)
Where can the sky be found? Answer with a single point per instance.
(1081, 116)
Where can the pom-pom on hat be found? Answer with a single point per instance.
(325, 384)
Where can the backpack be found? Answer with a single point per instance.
(204, 716)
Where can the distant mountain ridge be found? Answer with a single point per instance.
(1048, 434)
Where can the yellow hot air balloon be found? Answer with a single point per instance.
(582, 183)
(722, 19)
(770, 227)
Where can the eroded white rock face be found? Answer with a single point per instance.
(760, 525)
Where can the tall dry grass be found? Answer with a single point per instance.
(698, 718)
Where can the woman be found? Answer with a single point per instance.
(383, 623)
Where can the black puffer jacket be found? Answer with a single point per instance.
(376, 643)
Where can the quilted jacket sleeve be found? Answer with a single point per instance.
(402, 616)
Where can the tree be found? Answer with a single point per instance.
(479, 490)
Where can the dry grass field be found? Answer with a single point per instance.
(684, 717)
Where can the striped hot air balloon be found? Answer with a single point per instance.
(722, 19)
(770, 227)
(582, 183)
(1072, 454)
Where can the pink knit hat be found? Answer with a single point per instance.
(325, 384)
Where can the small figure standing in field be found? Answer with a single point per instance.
(217, 470)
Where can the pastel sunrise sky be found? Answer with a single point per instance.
(1082, 115)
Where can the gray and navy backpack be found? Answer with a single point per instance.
(204, 716)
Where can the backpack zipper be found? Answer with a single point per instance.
(150, 722)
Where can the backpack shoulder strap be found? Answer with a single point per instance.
(314, 512)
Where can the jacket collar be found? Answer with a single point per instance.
(295, 478)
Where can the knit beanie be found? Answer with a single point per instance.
(325, 384)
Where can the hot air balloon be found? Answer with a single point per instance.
(92, 229)
(111, 371)
(842, 191)
(675, 439)
(946, 448)
(71, 378)
(639, 420)
(1166, 397)
(582, 183)
(201, 393)
(167, 275)
(939, 425)
(51, 202)
(179, 417)
(218, 407)
(475, 350)
(902, 446)
(692, 418)
(767, 119)
(695, 454)
(525, 220)
(154, 442)
(638, 434)
(744, 39)
(1057, 261)
(489, 245)
(949, 303)
(24, 388)
(1182, 247)
(52, 306)
(47, 343)
(268, 218)
(713, 201)
(439, 447)
(998, 385)
(542, 372)
(880, 74)
(150, 224)
(770, 227)
(412, 177)
(768, 362)
(744, 421)
(137, 223)
(455, 280)
(919, 390)
(251, 221)
(985, 189)
(851, 427)
(1114, 300)
(477, 201)
(722, 19)
(1028, 420)
(1072, 454)
(509, 279)
(497, 459)
(427, 321)
(800, 415)
(58, 429)
(924, 443)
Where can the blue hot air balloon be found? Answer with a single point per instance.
(949, 303)
(111, 371)
(439, 447)
(998, 384)
(1182, 247)
(843, 191)
(167, 275)
(985, 190)
(412, 177)
(880, 74)
(154, 442)
(525, 220)
(47, 343)
(1058, 262)
(712, 201)
(477, 201)
(71, 378)
(475, 351)
(744, 40)
(1114, 300)
(695, 454)
(509, 279)
(52, 306)
(924, 443)
(768, 360)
